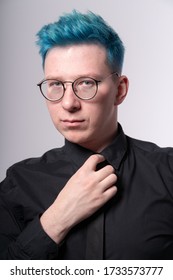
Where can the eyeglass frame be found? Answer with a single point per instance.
(73, 83)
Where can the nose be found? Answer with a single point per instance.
(70, 102)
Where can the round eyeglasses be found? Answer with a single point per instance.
(84, 88)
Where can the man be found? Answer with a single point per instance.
(103, 195)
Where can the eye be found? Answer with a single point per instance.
(54, 84)
(86, 83)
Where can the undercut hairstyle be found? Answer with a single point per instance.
(76, 28)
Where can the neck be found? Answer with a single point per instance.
(98, 146)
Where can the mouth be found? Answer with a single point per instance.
(72, 123)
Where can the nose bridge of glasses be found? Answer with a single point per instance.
(67, 82)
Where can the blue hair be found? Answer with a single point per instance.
(77, 28)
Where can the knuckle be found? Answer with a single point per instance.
(114, 177)
(110, 168)
(95, 157)
(113, 170)
(114, 190)
(92, 158)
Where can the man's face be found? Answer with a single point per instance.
(89, 123)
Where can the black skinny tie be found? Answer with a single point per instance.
(95, 232)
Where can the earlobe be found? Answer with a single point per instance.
(122, 89)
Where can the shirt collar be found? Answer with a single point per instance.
(114, 153)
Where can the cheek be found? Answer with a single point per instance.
(105, 104)
(105, 113)
(98, 114)
(107, 97)
(53, 111)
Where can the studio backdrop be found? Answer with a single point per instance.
(146, 28)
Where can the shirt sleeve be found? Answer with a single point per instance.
(32, 243)
(20, 240)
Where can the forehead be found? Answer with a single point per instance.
(77, 59)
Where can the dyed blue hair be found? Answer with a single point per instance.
(77, 28)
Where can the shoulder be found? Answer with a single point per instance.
(154, 161)
(147, 147)
(33, 175)
(151, 154)
(36, 164)
(48, 157)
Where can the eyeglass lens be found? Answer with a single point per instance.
(84, 88)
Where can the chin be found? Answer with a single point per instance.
(74, 138)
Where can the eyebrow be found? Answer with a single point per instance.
(89, 75)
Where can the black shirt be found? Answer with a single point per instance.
(138, 221)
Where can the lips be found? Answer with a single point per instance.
(72, 122)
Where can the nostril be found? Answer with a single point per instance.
(70, 102)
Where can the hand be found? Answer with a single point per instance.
(85, 192)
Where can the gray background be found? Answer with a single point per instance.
(145, 26)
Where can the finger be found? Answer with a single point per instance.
(108, 182)
(105, 172)
(109, 193)
(93, 160)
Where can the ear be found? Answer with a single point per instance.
(122, 89)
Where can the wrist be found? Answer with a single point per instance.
(55, 229)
